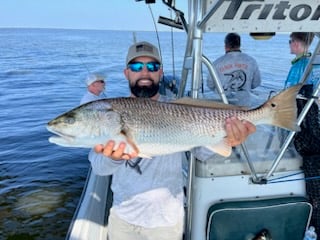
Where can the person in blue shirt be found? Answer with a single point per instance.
(306, 142)
(299, 45)
(95, 87)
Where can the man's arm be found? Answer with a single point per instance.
(103, 165)
(256, 81)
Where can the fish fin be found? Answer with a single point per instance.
(206, 103)
(222, 148)
(132, 145)
(284, 108)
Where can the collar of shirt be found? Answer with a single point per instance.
(298, 57)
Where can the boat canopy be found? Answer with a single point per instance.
(261, 16)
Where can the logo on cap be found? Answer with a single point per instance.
(143, 47)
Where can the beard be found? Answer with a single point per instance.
(144, 91)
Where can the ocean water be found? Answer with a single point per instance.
(41, 76)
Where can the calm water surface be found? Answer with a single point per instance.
(41, 76)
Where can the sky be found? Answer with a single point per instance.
(85, 14)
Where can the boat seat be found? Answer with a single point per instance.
(285, 218)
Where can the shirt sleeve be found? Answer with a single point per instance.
(256, 81)
(102, 165)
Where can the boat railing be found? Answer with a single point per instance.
(90, 218)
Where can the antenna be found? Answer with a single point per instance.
(155, 27)
(134, 37)
(82, 62)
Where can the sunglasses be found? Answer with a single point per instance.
(138, 66)
(99, 81)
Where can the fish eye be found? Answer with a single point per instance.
(69, 120)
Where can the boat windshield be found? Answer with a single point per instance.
(263, 148)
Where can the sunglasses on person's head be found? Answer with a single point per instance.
(99, 81)
(138, 66)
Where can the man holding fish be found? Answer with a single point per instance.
(148, 193)
(146, 139)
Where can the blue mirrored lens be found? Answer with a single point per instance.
(138, 66)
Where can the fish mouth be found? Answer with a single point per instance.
(60, 135)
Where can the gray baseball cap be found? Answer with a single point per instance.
(93, 78)
(140, 49)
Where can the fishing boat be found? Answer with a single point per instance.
(259, 189)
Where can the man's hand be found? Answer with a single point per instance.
(117, 154)
(238, 131)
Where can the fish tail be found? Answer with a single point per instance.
(284, 108)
